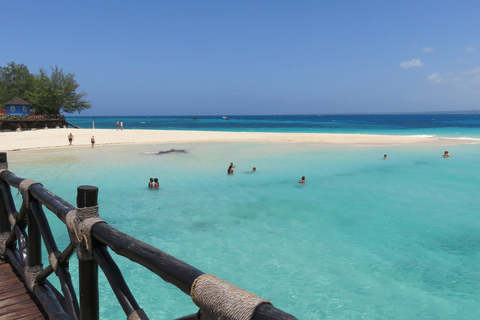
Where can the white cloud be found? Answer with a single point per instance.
(428, 49)
(470, 49)
(434, 77)
(471, 76)
(414, 63)
(472, 72)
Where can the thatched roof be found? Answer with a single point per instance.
(17, 102)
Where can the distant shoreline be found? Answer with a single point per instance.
(58, 138)
(285, 115)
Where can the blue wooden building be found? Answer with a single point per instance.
(18, 107)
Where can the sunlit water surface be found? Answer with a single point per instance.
(365, 238)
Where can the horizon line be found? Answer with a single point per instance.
(291, 114)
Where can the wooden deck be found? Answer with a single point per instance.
(16, 301)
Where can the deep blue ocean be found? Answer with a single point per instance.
(364, 238)
(454, 125)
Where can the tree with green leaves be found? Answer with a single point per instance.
(49, 94)
(57, 93)
(16, 81)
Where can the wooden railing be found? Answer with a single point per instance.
(89, 238)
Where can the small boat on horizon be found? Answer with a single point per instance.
(225, 118)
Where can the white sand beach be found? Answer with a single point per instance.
(58, 138)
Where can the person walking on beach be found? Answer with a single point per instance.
(70, 138)
(92, 140)
(121, 125)
(117, 125)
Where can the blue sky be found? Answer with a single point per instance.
(253, 57)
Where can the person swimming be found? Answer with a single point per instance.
(446, 154)
(302, 181)
(385, 156)
(150, 183)
(230, 170)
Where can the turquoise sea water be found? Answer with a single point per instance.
(365, 238)
(440, 125)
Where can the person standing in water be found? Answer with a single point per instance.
(446, 154)
(70, 138)
(150, 183)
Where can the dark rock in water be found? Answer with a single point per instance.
(172, 151)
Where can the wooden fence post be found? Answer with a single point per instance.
(4, 222)
(87, 196)
(34, 241)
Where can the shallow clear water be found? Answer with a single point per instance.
(365, 238)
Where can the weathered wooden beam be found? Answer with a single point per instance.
(88, 269)
(116, 280)
(62, 262)
(34, 257)
(169, 268)
(62, 273)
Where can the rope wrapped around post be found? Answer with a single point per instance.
(3, 243)
(137, 315)
(221, 300)
(79, 223)
(30, 276)
(53, 259)
(23, 188)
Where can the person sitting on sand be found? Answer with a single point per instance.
(446, 154)
(385, 156)
(302, 181)
(70, 138)
(150, 183)
(155, 184)
(230, 170)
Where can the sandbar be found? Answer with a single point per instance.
(58, 138)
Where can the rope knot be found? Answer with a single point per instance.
(137, 315)
(30, 275)
(53, 259)
(79, 223)
(24, 187)
(221, 300)
(3, 244)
